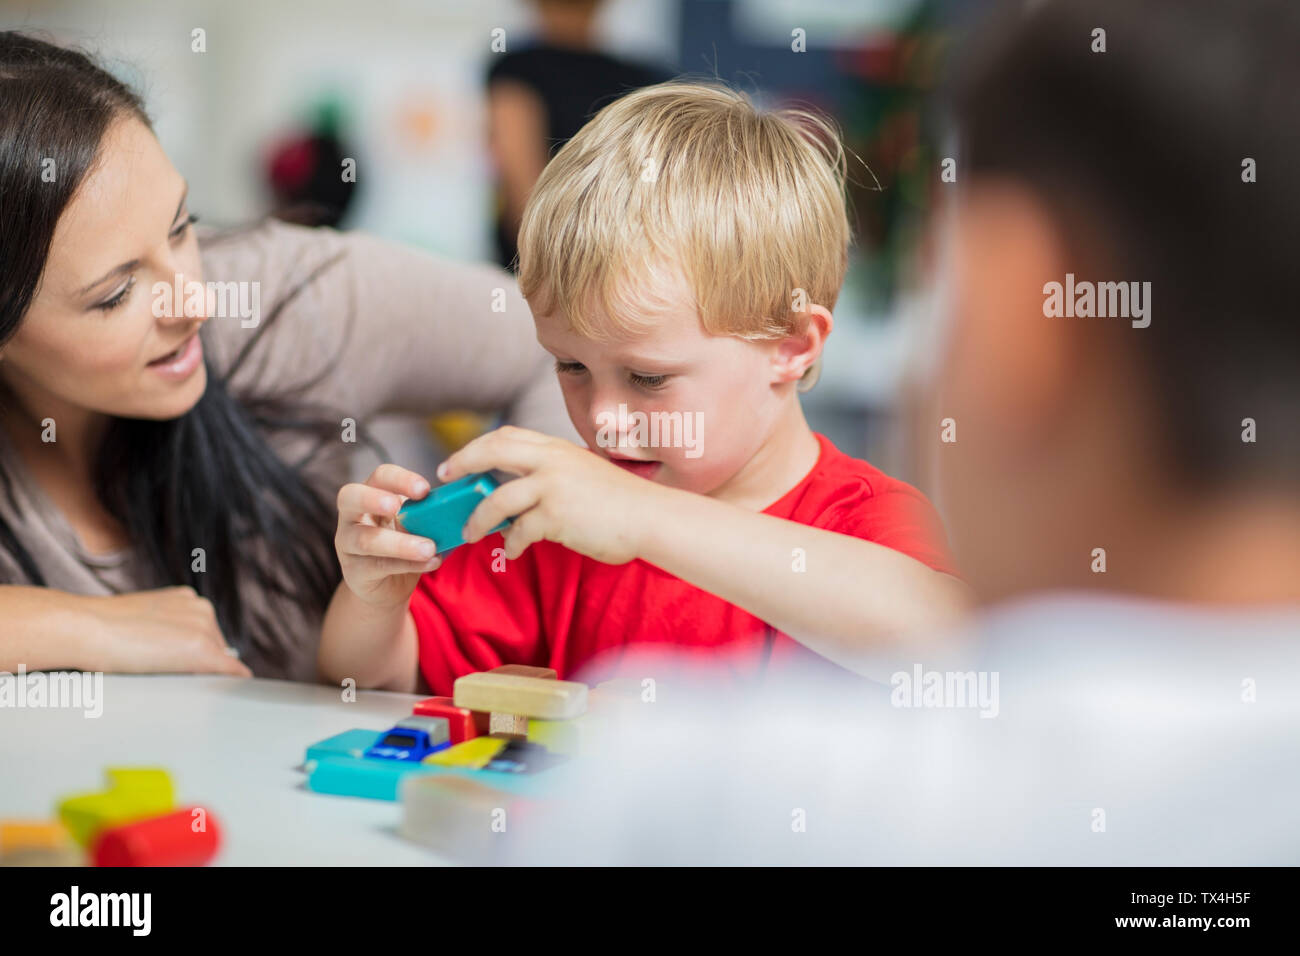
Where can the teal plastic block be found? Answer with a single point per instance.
(361, 776)
(376, 779)
(441, 514)
(350, 743)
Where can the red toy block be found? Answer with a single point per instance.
(169, 840)
(465, 724)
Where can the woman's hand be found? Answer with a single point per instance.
(169, 630)
(565, 493)
(382, 564)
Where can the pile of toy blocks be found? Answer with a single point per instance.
(133, 821)
(506, 723)
(461, 765)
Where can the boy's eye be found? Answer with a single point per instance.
(647, 381)
(109, 304)
(569, 368)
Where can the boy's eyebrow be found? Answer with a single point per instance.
(130, 265)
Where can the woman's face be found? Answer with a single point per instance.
(97, 337)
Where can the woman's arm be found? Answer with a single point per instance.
(405, 330)
(168, 630)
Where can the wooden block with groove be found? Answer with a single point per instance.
(508, 725)
(524, 696)
(524, 670)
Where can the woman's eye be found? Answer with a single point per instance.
(184, 227)
(569, 368)
(648, 381)
(108, 305)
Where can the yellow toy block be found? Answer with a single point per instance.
(561, 736)
(526, 696)
(457, 429)
(475, 753)
(132, 794)
(142, 780)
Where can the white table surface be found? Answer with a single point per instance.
(232, 745)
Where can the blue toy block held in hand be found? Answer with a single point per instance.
(441, 514)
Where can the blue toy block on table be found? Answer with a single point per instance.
(413, 739)
(441, 515)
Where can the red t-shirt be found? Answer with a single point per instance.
(553, 607)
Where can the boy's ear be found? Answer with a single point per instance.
(796, 353)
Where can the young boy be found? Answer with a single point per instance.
(681, 256)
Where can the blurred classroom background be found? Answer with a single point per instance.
(283, 90)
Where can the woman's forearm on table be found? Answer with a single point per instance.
(44, 629)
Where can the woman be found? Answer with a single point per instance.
(166, 476)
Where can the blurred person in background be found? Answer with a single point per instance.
(1124, 492)
(539, 96)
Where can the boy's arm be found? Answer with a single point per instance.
(374, 645)
(368, 633)
(854, 595)
(849, 596)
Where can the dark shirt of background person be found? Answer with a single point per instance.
(541, 95)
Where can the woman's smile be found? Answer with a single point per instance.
(181, 362)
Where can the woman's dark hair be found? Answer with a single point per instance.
(1139, 152)
(209, 478)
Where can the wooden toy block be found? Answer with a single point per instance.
(523, 696)
(459, 816)
(360, 776)
(65, 856)
(464, 724)
(21, 836)
(568, 737)
(350, 743)
(174, 839)
(524, 670)
(508, 725)
(38, 843)
(133, 794)
(142, 780)
(441, 515)
(474, 754)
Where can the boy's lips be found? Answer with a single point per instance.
(642, 469)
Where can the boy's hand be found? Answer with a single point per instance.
(382, 564)
(565, 493)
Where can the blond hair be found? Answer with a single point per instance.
(747, 205)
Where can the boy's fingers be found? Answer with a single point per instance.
(528, 529)
(400, 480)
(500, 450)
(356, 500)
(512, 498)
(367, 541)
(386, 567)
